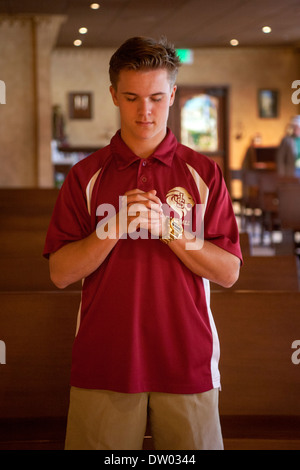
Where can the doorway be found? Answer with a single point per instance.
(198, 119)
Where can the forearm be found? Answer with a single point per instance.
(78, 260)
(210, 261)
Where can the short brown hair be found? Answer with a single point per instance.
(141, 53)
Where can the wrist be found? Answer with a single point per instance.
(172, 230)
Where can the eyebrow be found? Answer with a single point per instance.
(134, 94)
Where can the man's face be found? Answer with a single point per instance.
(144, 99)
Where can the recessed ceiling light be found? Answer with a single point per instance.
(234, 42)
(77, 42)
(83, 30)
(266, 29)
(95, 6)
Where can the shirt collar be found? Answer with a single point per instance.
(124, 157)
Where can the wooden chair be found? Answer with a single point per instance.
(268, 201)
(289, 205)
(265, 273)
(250, 198)
(259, 401)
(256, 332)
(245, 244)
(28, 201)
(260, 384)
(26, 209)
(22, 243)
(28, 274)
(38, 330)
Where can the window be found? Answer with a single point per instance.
(199, 123)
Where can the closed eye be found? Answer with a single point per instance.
(130, 96)
(156, 98)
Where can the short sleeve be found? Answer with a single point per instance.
(220, 225)
(70, 220)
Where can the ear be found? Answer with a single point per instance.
(114, 95)
(173, 93)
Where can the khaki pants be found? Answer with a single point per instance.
(104, 420)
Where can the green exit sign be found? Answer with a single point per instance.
(186, 56)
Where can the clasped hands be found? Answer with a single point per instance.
(142, 210)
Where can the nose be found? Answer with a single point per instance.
(145, 108)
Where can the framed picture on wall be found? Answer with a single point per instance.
(80, 105)
(268, 103)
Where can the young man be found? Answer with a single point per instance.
(128, 221)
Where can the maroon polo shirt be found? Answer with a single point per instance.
(145, 322)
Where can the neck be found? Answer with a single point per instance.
(143, 148)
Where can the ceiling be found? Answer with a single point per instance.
(187, 23)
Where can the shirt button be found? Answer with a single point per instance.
(144, 179)
(144, 163)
